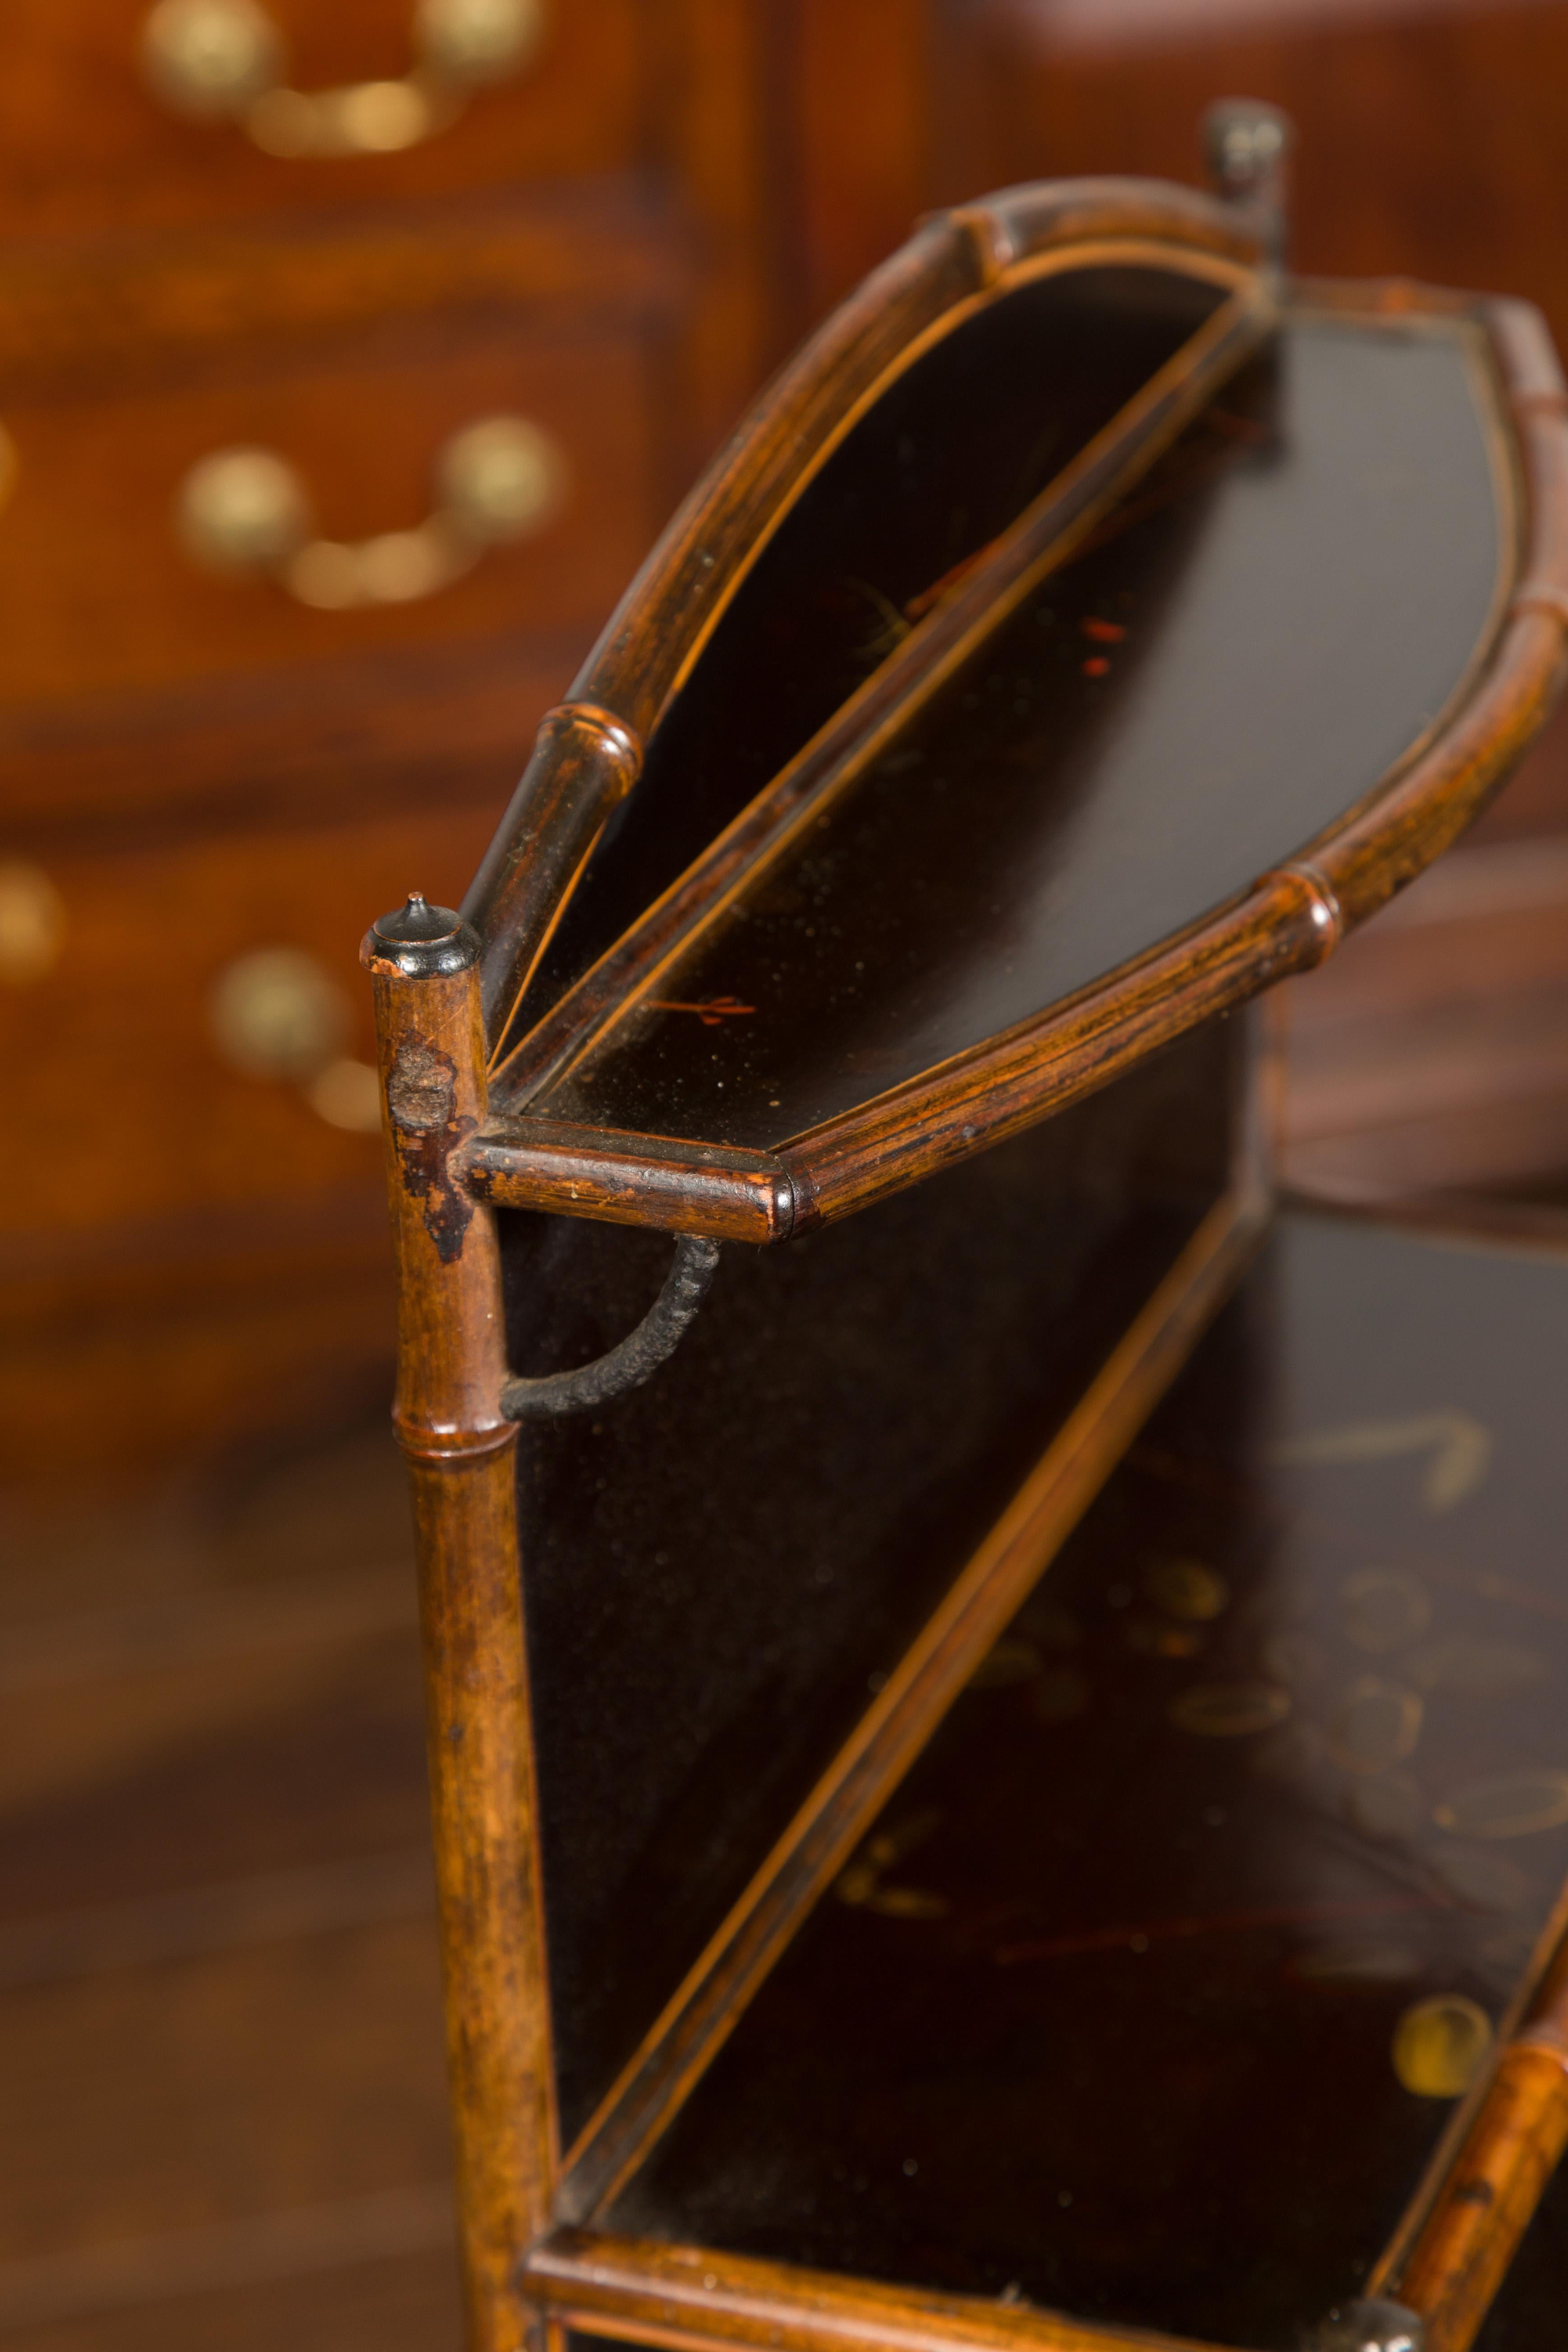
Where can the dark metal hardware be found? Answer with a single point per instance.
(639, 1353)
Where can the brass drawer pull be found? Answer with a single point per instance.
(213, 59)
(279, 1013)
(32, 924)
(247, 510)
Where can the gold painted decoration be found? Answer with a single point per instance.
(1375, 1725)
(1229, 1710)
(1186, 1588)
(1440, 2046)
(1508, 1805)
(1384, 1609)
(860, 1884)
(1459, 1446)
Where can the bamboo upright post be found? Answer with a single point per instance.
(1515, 2138)
(424, 962)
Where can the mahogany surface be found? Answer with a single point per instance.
(1236, 661)
(1097, 1955)
(718, 1567)
(618, 242)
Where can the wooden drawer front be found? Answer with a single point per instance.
(136, 1112)
(99, 592)
(85, 141)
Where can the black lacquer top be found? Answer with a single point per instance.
(1274, 620)
(946, 459)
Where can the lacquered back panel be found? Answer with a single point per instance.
(947, 457)
(720, 1566)
(1147, 1998)
(1270, 624)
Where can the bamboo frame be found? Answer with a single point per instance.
(458, 1449)
(1285, 923)
(691, 2297)
(957, 264)
(450, 1162)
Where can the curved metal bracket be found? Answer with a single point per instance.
(639, 1353)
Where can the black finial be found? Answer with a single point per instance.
(422, 940)
(1246, 145)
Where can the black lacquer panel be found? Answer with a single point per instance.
(949, 455)
(717, 1566)
(1254, 639)
(1140, 2000)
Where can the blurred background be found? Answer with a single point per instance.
(349, 360)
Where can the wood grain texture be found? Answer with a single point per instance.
(448, 1421)
(1427, 144)
(631, 1180)
(868, 97)
(139, 309)
(694, 2025)
(687, 2297)
(601, 242)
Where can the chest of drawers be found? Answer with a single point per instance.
(255, 614)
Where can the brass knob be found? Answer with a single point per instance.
(208, 57)
(501, 478)
(247, 510)
(279, 1013)
(32, 923)
(243, 510)
(477, 40)
(221, 58)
